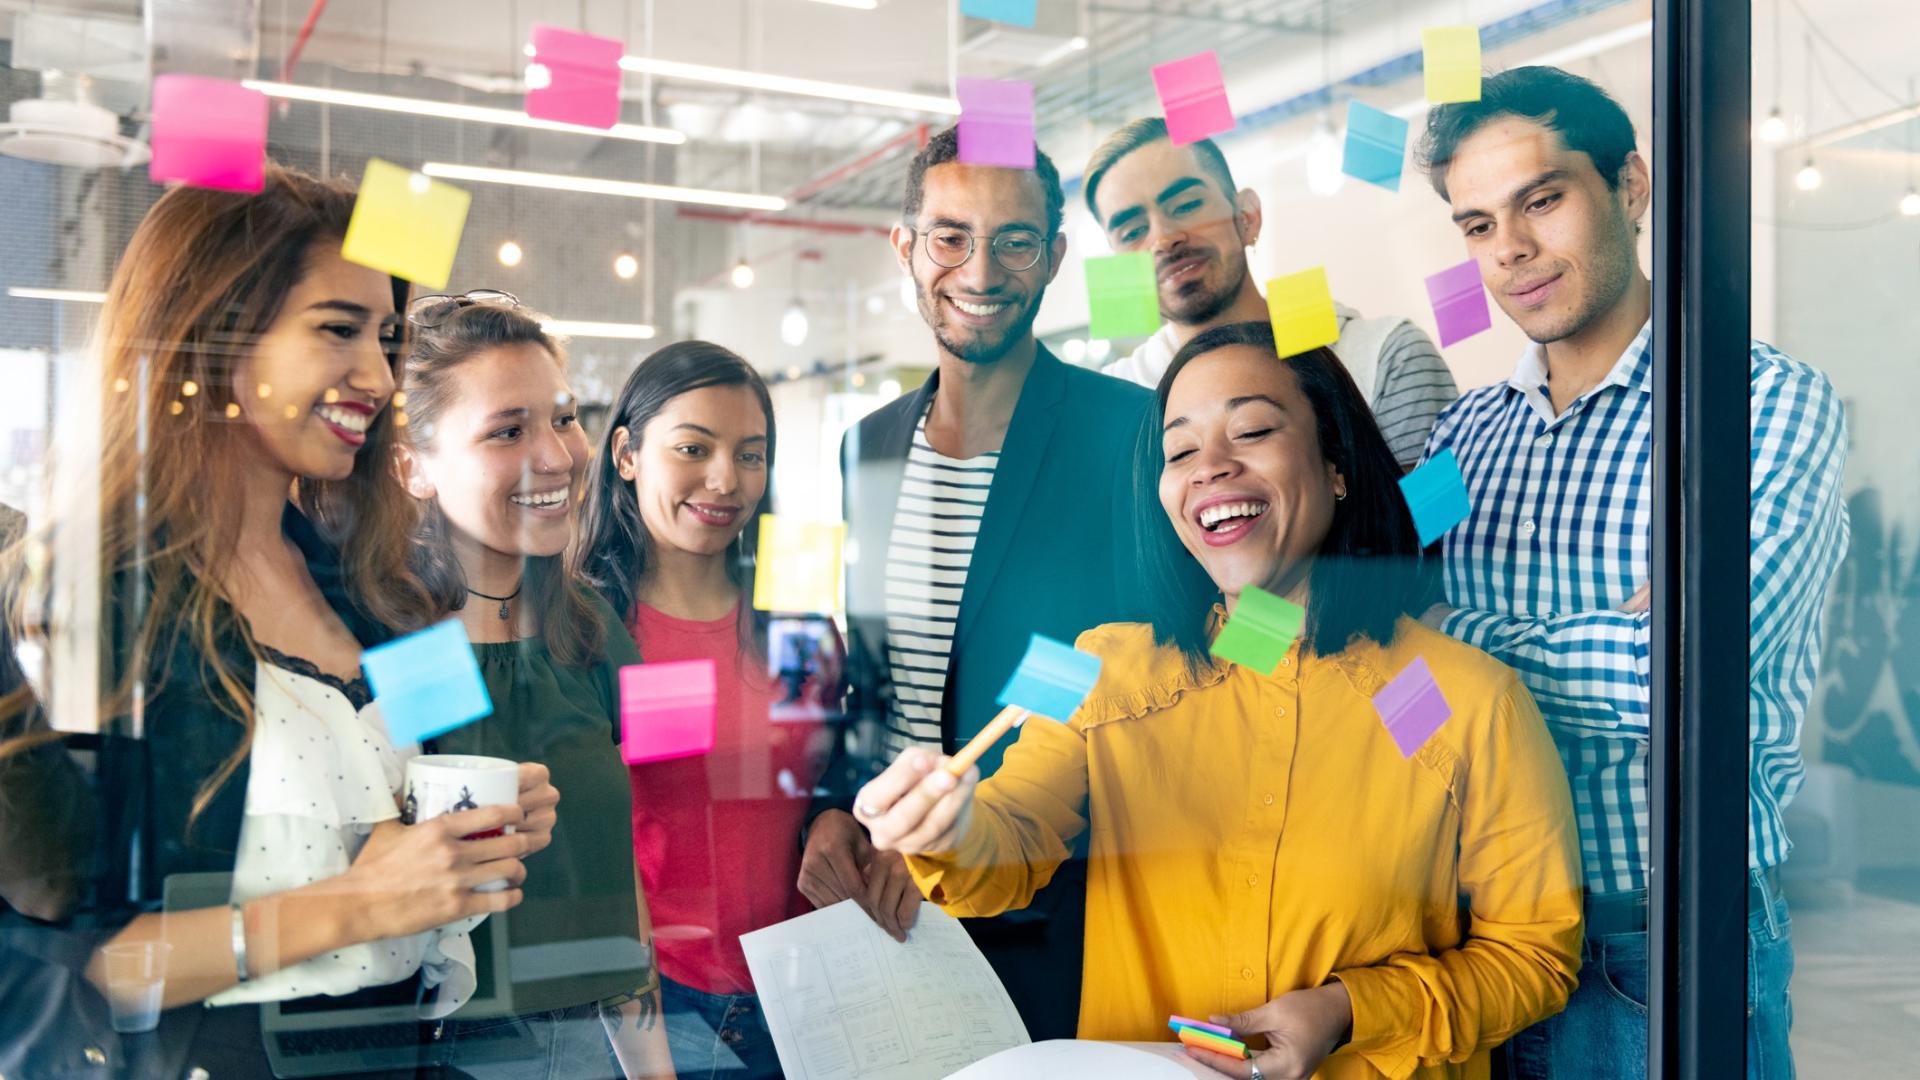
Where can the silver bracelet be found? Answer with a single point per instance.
(239, 943)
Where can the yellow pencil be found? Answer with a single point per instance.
(1009, 718)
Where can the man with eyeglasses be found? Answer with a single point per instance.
(984, 507)
(1179, 204)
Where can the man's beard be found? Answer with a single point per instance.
(1200, 305)
(981, 350)
(1610, 278)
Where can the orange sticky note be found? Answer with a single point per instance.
(1451, 57)
(798, 566)
(1301, 308)
(406, 224)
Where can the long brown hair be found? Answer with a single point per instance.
(204, 276)
(566, 618)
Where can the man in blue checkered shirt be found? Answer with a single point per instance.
(1550, 570)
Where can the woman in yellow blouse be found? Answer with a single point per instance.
(1261, 851)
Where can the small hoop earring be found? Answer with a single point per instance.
(1342, 497)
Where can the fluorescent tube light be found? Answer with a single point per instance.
(783, 84)
(77, 296)
(578, 328)
(592, 186)
(446, 110)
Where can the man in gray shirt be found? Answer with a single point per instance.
(1179, 204)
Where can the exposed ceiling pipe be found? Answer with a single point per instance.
(300, 40)
(742, 217)
(916, 137)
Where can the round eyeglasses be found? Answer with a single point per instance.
(430, 311)
(951, 246)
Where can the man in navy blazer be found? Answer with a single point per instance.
(990, 504)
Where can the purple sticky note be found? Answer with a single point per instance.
(573, 78)
(1412, 707)
(666, 710)
(209, 133)
(1193, 97)
(996, 122)
(1459, 303)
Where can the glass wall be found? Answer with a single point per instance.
(1833, 200)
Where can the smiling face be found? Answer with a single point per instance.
(699, 469)
(979, 310)
(1159, 199)
(506, 454)
(1244, 482)
(1554, 243)
(312, 384)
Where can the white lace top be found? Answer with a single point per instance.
(322, 773)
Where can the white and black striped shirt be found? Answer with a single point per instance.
(931, 546)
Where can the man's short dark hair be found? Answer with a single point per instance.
(1145, 131)
(945, 147)
(1585, 117)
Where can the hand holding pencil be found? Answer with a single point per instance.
(923, 802)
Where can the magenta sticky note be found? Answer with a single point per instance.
(1412, 707)
(996, 122)
(1459, 302)
(573, 78)
(209, 133)
(1193, 98)
(666, 710)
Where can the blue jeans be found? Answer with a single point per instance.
(1602, 1033)
(717, 1036)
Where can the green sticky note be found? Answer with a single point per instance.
(1122, 299)
(1301, 307)
(1262, 629)
(406, 224)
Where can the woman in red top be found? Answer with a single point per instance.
(670, 527)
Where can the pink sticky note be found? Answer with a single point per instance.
(1193, 97)
(996, 122)
(209, 133)
(1412, 707)
(1459, 303)
(666, 710)
(574, 78)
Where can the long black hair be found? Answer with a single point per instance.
(1368, 570)
(613, 546)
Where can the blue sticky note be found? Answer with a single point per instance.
(427, 683)
(1011, 12)
(1376, 146)
(1052, 679)
(1436, 496)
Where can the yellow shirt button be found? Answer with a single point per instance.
(1246, 973)
(1279, 710)
(1253, 879)
(1268, 800)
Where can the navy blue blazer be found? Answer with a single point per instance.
(1052, 555)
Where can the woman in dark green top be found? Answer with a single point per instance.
(495, 452)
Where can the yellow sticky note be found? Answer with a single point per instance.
(406, 224)
(1452, 58)
(1301, 308)
(799, 565)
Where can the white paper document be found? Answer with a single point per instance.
(1067, 1059)
(846, 1002)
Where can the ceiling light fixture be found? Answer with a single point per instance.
(447, 110)
(592, 186)
(783, 84)
(580, 328)
(1323, 160)
(510, 254)
(73, 296)
(742, 274)
(625, 266)
(859, 5)
(1910, 203)
(793, 325)
(1061, 51)
(1773, 129)
(1808, 178)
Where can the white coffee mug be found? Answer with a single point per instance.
(445, 783)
